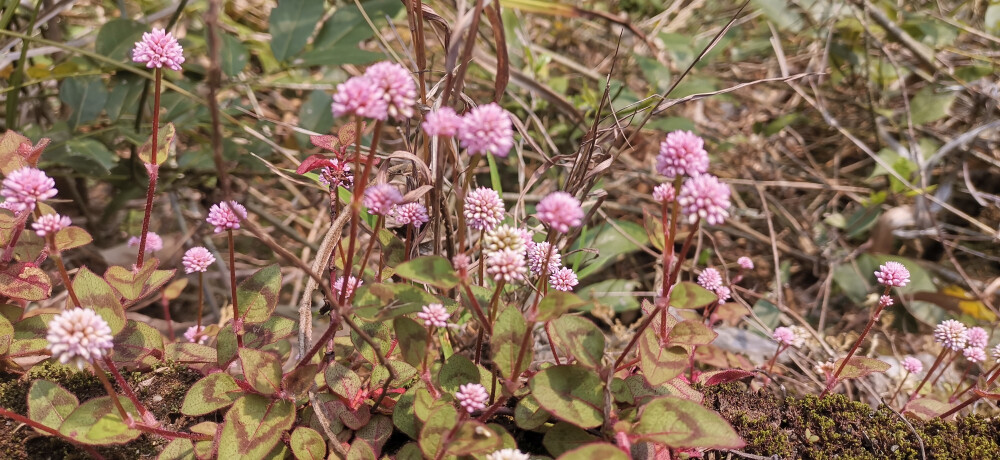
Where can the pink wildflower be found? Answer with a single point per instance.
(226, 215)
(487, 129)
(504, 237)
(885, 301)
(892, 274)
(723, 293)
(358, 96)
(563, 279)
(537, 254)
(483, 209)
(664, 193)
(50, 224)
(414, 214)
(951, 334)
(196, 334)
(974, 354)
(472, 397)
(705, 197)
(197, 259)
(24, 187)
(153, 242)
(978, 337)
(682, 153)
(560, 211)
(507, 265)
(398, 88)
(710, 279)
(745, 263)
(434, 315)
(158, 49)
(442, 122)
(352, 284)
(79, 336)
(912, 365)
(380, 199)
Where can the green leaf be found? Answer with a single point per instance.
(595, 450)
(412, 339)
(528, 414)
(137, 345)
(508, 334)
(563, 437)
(991, 21)
(85, 156)
(688, 296)
(29, 335)
(342, 381)
(85, 96)
(557, 303)
(433, 270)
(10, 159)
(307, 444)
(315, 114)
(609, 243)
(126, 88)
(860, 366)
(233, 55)
(23, 281)
(434, 434)
(679, 423)
(261, 369)
(95, 293)
(166, 145)
(178, 449)
(654, 228)
(257, 295)
(210, 394)
(196, 356)
(6, 335)
(97, 422)
(300, 379)
(615, 293)
(458, 371)
(132, 285)
(660, 364)
(473, 438)
(50, 404)
(117, 37)
(690, 332)
(253, 426)
(72, 237)
(778, 12)
(928, 106)
(337, 41)
(581, 339)
(291, 24)
(382, 301)
(572, 393)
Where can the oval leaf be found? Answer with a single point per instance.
(307, 444)
(572, 393)
(253, 426)
(688, 296)
(679, 423)
(660, 364)
(433, 270)
(210, 394)
(50, 404)
(257, 295)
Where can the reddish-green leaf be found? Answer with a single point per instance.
(434, 434)
(7, 224)
(196, 356)
(412, 339)
(679, 423)
(72, 237)
(724, 376)
(178, 449)
(458, 371)
(342, 381)
(687, 295)
(307, 444)
(376, 432)
(300, 379)
(258, 294)
(50, 404)
(29, 335)
(473, 438)
(10, 159)
(210, 394)
(654, 228)
(691, 332)
(591, 451)
(433, 270)
(361, 450)
(253, 426)
(166, 145)
(556, 303)
(572, 393)
(130, 284)
(580, 338)
(97, 422)
(95, 293)
(261, 369)
(660, 364)
(860, 366)
(926, 408)
(138, 345)
(6, 335)
(529, 415)
(24, 281)
(508, 334)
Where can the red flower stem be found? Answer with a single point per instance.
(552, 344)
(774, 359)
(972, 385)
(153, 170)
(487, 324)
(27, 421)
(406, 245)
(368, 252)
(166, 315)
(359, 189)
(146, 416)
(965, 374)
(482, 258)
(627, 365)
(937, 362)
(973, 398)
(114, 395)
(201, 301)
(237, 322)
(832, 381)
(899, 387)
(944, 369)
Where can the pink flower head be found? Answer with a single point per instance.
(912, 365)
(504, 237)
(885, 301)
(442, 122)
(226, 215)
(560, 211)
(978, 337)
(487, 129)
(197, 259)
(461, 264)
(358, 96)
(705, 197)
(974, 354)
(414, 214)
(682, 153)
(50, 224)
(79, 336)
(352, 284)
(158, 49)
(745, 263)
(951, 334)
(507, 265)
(563, 279)
(434, 315)
(892, 274)
(381, 198)
(794, 336)
(398, 88)
(710, 279)
(196, 334)
(483, 209)
(472, 397)
(26, 186)
(153, 242)
(537, 254)
(336, 174)
(724, 294)
(664, 193)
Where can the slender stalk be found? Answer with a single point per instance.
(166, 315)
(27, 421)
(899, 387)
(126, 417)
(146, 415)
(944, 369)
(379, 222)
(237, 323)
(487, 324)
(552, 344)
(937, 362)
(774, 359)
(972, 385)
(153, 168)
(359, 188)
(406, 244)
(482, 258)
(201, 299)
(972, 399)
(832, 381)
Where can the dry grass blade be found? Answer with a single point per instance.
(503, 60)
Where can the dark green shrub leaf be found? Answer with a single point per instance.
(508, 333)
(688, 296)
(253, 426)
(97, 422)
(434, 434)
(261, 369)
(166, 145)
(291, 24)
(24, 282)
(860, 366)
(528, 414)
(691, 332)
(556, 303)
(95, 293)
(50, 404)
(595, 450)
(117, 37)
(660, 364)
(563, 437)
(433, 270)
(473, 438)
(138, 345)
(580, 338)
(210, 394)
(572, 393)
(412, 339)
(307, 444)
(258, 294)
(85, 96)
(679, 423)
(232, 55)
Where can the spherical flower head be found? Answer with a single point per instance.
(414, 214)
(560, 211)
(352, 284)
(434, 315)
(472, 397)
(507, 265)
(226, 215)
(912, 365)
(24, 187)
(487, 129)
(745, 263)
(892, 274)
(664, 193)
(978, 337)
(538, 253)
(563, 279)
(153, 242)
(710, 279)
(50, 224)
(508, 454)
(399, 91)
(682, 153)
(461, 264)
(442, 122)
(974, 354)
(826, 368)
(724, 294)
(483, 209)
(197, 259)
(794, 336)
(79, 336)
(157, 49)
(195, 334)
(380, 199)
(885, 301)
(504, 237)
(359, 96)
(951, 334)
(705, 197)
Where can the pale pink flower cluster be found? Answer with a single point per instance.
(704, 197)
(483, 209)
(197, 259)
(724, 294)
(352, 284)
(892, 274)
(912, 365)
(794, 336)
(745, 263)
(153, 242)
(434, 315)
(195, 334)
(682, 153)
(978, 337)
(24, 187)
(158, 49)
(472, 397)
(664, 193)
(974, 354)
(226, 215)
(79, 336)
(380, 199)
(505, 237)
(414, 214)
(506, 264)
(560, 211)
(885, 301)
(442, 122)
(537, 254)
(487, 129)
(563, 279)
(385, 90)
(710, 279)
(50, 224)
(952, 334)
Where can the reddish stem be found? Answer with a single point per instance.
(146, 415)
(27, 421)
(832, 381)
(153, 170)
(237, 322)
(166, 315)
(937, 362)
(359, 189)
